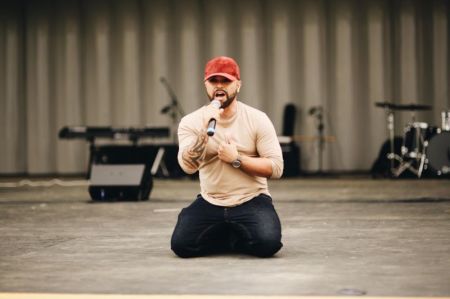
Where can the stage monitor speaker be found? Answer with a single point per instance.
(121, 172)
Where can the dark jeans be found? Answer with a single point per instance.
(252, 228)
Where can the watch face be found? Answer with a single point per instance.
(236, 163)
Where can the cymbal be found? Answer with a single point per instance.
(385, 105)
(402, 106)
(413, 107)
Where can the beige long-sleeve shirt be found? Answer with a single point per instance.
(254, 135)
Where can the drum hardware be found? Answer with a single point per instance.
(416, 134)
(388, 107)
(414, 151)
(415, 142)
(416, 166)
(390, 120)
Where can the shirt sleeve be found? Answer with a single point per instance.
(268, 146)
(186, 136)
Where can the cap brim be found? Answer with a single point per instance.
(228, 76)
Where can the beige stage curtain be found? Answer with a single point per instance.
(99, 62)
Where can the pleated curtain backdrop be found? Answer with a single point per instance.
(99, 63)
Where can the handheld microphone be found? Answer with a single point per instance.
(212, 122)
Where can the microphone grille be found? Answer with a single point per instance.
(216, 103)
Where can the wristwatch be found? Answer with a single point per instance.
(236, 163)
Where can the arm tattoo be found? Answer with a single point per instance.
(195, 153)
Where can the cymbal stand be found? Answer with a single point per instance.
(392, 156)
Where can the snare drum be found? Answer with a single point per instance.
(415, 136)
(437, 153)
(445, 116)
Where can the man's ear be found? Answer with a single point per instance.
(239, 85)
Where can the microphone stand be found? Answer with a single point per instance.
(318, 113)
(174, 108)
(320, 128)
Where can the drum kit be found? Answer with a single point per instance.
(424, 147)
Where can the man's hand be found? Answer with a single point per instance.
(227, 150)
(256, 166)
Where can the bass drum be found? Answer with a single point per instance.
(438, 153)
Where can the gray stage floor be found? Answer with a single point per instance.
(341, 236)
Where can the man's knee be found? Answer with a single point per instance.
(183, 253)
(182, 249)
(264, 245)
(267, 241)
(266, 248)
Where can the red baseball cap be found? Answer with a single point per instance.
(222, 66)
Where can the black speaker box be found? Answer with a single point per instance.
(121, 172)
(291, 157)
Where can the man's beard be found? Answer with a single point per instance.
(228, 101)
